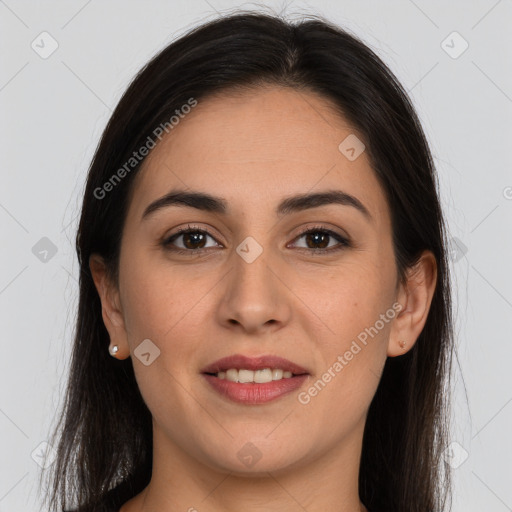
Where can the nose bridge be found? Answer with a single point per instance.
(254, 294)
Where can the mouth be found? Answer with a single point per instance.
(256, 377)
(254, 380)
(261, 369)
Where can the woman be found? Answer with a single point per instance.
(264, 319)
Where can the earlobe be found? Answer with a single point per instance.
(110, 307)
(416, 297)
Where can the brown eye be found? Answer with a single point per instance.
(317, 240)
(193, 240)
(188, 240)
(320, 240)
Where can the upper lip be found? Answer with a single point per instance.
(240, 361)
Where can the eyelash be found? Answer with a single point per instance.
(343, 242)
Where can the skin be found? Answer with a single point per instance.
(254, 149)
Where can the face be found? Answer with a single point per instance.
(314, 282)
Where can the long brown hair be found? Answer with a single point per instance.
(104, 435)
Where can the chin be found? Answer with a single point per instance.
(251, 461)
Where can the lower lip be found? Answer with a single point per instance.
(252, 393)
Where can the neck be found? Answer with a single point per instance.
(327, 483)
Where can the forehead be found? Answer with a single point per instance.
(255, 146)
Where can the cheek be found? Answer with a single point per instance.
(352, 298)
(352, 358)
(163, 304)
(159, 299)
(356, 306)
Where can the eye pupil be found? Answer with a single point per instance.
(316, 236)
(196, 237)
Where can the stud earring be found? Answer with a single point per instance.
(113, 350)
(402, 344)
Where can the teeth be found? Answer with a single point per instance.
(258, 376)
(277, 374)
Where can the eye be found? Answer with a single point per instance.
(192, 240)
(318, 238)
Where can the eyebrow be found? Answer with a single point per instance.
(297, 203)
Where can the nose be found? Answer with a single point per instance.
(255, 297)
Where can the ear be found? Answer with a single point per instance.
(415, 296)
(111, 310)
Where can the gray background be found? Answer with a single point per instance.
(54, 109)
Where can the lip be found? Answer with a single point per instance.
(252, 393)
(240, 361)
